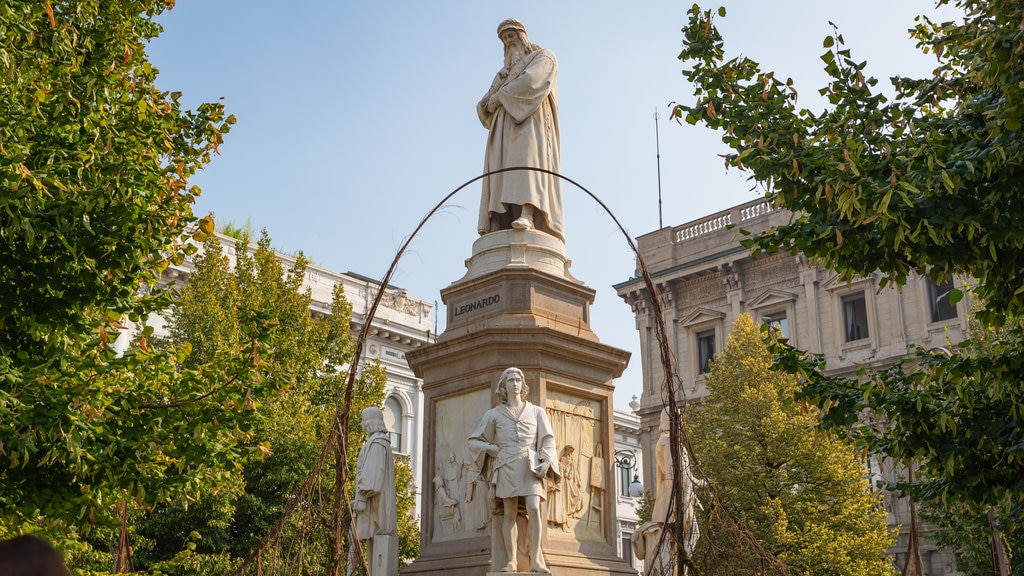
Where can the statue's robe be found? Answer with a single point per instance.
(524, 132)
(524, 442)
(375, 483)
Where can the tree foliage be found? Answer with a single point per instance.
(804, 496)
(966, 530)
(929, 181)
(304, 364)
(94, 168)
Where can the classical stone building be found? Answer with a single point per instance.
(705, 279)
(629, 463)
(402, 323)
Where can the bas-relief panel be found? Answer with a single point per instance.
(707, 289)
(782, 273)
(461, 502)
(575, 504)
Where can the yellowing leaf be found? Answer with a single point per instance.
(206, 224)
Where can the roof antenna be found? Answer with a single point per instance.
(657, 147)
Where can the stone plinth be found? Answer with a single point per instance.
(518, 307)
(517, 249)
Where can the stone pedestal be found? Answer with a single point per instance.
(383, 556)
(518, 306)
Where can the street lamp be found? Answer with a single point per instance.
(626, 459)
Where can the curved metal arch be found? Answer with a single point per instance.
(671, 387)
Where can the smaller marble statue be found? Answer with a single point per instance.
(375, 505)
(645, 545)
(514, 445)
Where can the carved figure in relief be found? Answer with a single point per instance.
(374, 506)
(514, 447)
(565, 497)
(521, 112)
(448, 488)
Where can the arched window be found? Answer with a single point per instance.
(393, 420)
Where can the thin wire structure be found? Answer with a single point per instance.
(303, 513)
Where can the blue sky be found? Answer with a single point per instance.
(356, 118)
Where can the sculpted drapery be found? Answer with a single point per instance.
(375, 489)
(375, 507)
(521, 112)
(523, 441)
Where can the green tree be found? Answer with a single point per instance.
(931, 182)
(303, 363)
(803, 496)
(966, 530)
(94, 167)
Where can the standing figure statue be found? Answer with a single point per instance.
(663, 514)
(521, 112)
(515, 446)
(375, 506)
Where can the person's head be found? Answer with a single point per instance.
(451, 457)
(30, 556)
(373, 420)
(512, 378)
(568, 450)
(517, 44)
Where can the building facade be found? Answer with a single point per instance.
(705, 279)
(629, 463)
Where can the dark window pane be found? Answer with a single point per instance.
(705, 350)
(627, 548)
(938, 296)
(855, 317)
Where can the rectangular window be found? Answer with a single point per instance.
(778, 321)
(624, 481)
(705, 350)
(855, 317)
(938, 299)
(627, 548)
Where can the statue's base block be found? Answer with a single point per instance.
(518, 249)
(383, 558)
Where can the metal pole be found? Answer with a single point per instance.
(657, 148)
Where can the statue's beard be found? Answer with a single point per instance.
(513, 54)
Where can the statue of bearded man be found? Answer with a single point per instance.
(521, 112)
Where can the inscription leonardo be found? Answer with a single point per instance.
(477, 305)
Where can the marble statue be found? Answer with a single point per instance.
(521, 112)
(374, 506)
(649, 533)
(514, 446)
